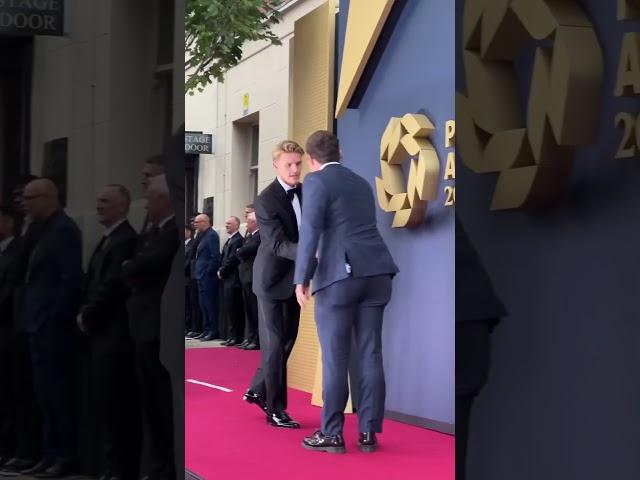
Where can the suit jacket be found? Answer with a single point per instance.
(53, 285)
(339, 224)
(106, 293)
(188, 251)
(274, 264)
(207, 256)
(475, 298)
(229, 268)
(246, 255)
(8, 278)
(147, 274)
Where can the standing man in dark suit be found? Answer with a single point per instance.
(103, 317)
(232, 288)
(188, 247)
(351, 267)
(51, 299)
(194, 295)
(206, 264)
(147, 273)
(279, 213)
(247, 254)
(9, 248)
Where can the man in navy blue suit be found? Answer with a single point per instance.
(52, 295)
(207, 262)
(341, 249)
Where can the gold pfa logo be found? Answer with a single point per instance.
(407, 138)
(531, 150)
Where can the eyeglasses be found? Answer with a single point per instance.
(32, 197)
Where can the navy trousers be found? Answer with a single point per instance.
(353, 306)
(208, 297)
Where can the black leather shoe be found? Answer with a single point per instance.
(251, 346)
(231, 343)
(13, 467)
(281, 419)
(57, 470)
(207, 338)
(193, 334)
(39, 467)
(243, 344)
(324, 443)
(252, 397)
(367, 442)
(198, 337)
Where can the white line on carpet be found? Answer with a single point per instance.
(210, 385)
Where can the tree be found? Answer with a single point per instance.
(215, 32)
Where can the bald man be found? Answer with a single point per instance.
(206, 264)
(147, 274)
(103, 318)
(51, 299)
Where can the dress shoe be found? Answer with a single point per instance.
(231, 343)
(367, 442)
(252, 397)
(198, 337)
(251, 346)
(324, 443)
(207, 338)
(281, 419)
(13, 467)
(225, 342)
(243, 344)
(39, 467)
(193, 334)
(61, 468)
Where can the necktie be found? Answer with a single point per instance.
(292, 192)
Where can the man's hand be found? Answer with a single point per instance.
(219, 276)
(303, 293)
(81, 325)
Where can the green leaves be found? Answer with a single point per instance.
(216, 30)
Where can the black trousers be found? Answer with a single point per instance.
(187, 307)
(234, 308)
(154, 385)
(7, 396)
(196, 312)
(28, 423)
(54, 353)
(278, 322)
(473, 345)
(251, 313)
(114, 395)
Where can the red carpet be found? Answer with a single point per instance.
(228, 438)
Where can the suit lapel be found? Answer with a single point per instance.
(285, 202)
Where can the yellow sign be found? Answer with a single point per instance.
(245, 103)
(403, 138)
(532, 151)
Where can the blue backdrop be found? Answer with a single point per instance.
(415, 73)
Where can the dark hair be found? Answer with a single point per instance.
(123, 191)
(251, 206)
(323, 146)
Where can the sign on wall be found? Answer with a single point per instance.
(32, 17)
(196, 143)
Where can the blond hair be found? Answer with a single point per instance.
(287, 146)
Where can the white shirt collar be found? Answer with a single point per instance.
(112, 228)
(284, 185)
(5, 243)
(163, 222)
(329, 163)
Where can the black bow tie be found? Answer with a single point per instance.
(292, 192)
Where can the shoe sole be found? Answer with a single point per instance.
(295, 427)
(368, 448)
(337, 450)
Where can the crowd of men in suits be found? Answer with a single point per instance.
(220, 302)
(79, 344)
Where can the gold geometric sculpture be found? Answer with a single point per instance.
(364, 24)
(533, 151)
(407, 137)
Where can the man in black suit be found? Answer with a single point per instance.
(231, 287)
(247, 254)
(195, 327)
(51, 299)
(103, 317)
(147, 274)
(279, 213)
(205, 265)
(9, 246)
(188, 247)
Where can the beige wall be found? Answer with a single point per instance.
(93, 86)
(264, 75)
